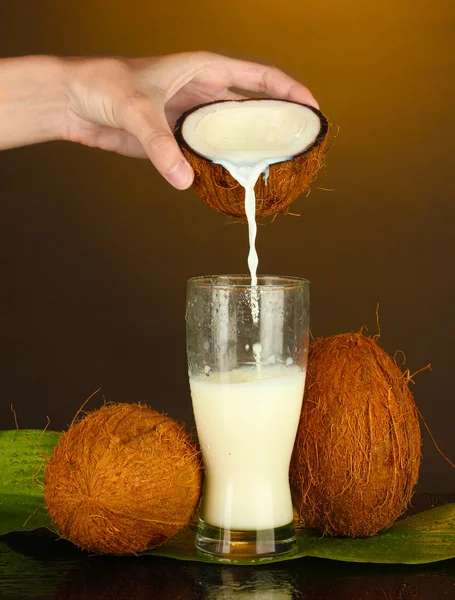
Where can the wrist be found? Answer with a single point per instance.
(32, 100)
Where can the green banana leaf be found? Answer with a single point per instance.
(424, 538)
(22, 460)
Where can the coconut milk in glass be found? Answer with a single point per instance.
(247, 375)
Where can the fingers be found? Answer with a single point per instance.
(234, 96)
(267, 80)
(186, 99)
(144, 119)
(112, 140)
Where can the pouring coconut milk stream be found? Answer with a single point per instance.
(247, 175)
(246, 138)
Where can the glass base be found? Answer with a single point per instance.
(234, 543)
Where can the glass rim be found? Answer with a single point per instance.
(234, 281)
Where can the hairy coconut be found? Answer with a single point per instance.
(251, 130)
(122, 480)
(357, 453)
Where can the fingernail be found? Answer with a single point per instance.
(181, 175)
(313, 102)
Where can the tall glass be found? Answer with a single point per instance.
(247, 350)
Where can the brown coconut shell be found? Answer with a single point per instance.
(286, 180)
(122, 480)
(357, 453)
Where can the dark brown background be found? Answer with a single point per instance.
(96, 248)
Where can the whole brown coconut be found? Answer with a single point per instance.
(122, 480)
(285, 182)
(357, 453)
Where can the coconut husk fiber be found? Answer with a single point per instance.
(122, 480)
(285, 182)
(357, 453)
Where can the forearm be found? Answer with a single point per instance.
(32, 100)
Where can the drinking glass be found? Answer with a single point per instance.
(247, 350)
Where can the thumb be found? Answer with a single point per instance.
(149, 125)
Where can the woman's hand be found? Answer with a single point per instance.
(129, 105)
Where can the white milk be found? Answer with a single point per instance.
(246, 422)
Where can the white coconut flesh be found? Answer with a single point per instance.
(245, 133)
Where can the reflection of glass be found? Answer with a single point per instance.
(247, 349)
(248, 584)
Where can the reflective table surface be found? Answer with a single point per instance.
(36, 565)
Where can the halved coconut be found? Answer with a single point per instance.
(288, 136)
